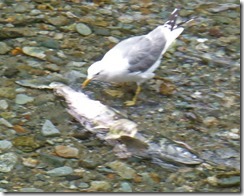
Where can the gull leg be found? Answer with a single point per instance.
(133, 101)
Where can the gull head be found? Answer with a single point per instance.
(95, 72)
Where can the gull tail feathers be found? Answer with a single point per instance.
(171, 30)
(171, 22)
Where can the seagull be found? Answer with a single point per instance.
(135, 59)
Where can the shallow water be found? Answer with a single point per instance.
(203, 113)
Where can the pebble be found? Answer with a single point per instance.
(7, 92)
(23, 99)
(30, 162)
(66, 151)
(125, 187)
(3, 104)
(5, 144)
(5, 123)
(4, 48)
(122, 169)
(7, 162)
(83, 29)
(35, 12)
(210, 121)
(101, 186)
(49, 130)
(83, 185)
(52, 160)
(60, 171)
(30, 190)
(58, 20)
(37, 52)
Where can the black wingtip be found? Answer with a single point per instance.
(172, 19)
(171, 23)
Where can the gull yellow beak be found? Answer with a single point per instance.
(85, 83)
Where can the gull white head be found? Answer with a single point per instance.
(95, 72)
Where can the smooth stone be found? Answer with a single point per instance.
(23, 99)
(83, 185)
(5, 144)
(101, 186)
(3, 104)
(125, 187)
(66, 151)
(58, 20)
(122, 169)
(31, 190)
(7, 162)
(7, 92)
(52, 160)
(4, 48)
(50, 43)
(60, 171)
(49, 130)
(83, 29)
(37, 52)
(5, 123)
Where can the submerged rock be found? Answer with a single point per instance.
(49, 130)
(7, 162)
(60, 171)
(83, 29)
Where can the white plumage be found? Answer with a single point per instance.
(135, 59)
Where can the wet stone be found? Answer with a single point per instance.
(27, 143)
(66, 151)
(50, 43)
(125, 187)
(4, 48)
(58, 20)
(83, 185)
(29, 162)
(122, 169)
(83, 29)
(38, 52)
(3, 104)
(5, 144)
(7, 162)
(5, 123)
(30, 190)
(100, 186)
(23, 99)
(49, 130)
(60, 171)
(52, 160)
(7, 92)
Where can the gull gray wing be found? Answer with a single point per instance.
(145, 51)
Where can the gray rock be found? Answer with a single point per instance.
(122, 169)
(52, 160)
(37, 52)
(3, 190)
(60, 171)
(4, 48)
(83, 29)
(7, 162)
(101, 186)
(3, 104)
(5, 145)
(23, 99)
(125, 187)
(31, 190)
(5, 123)
(49, 130)
(83, 185)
